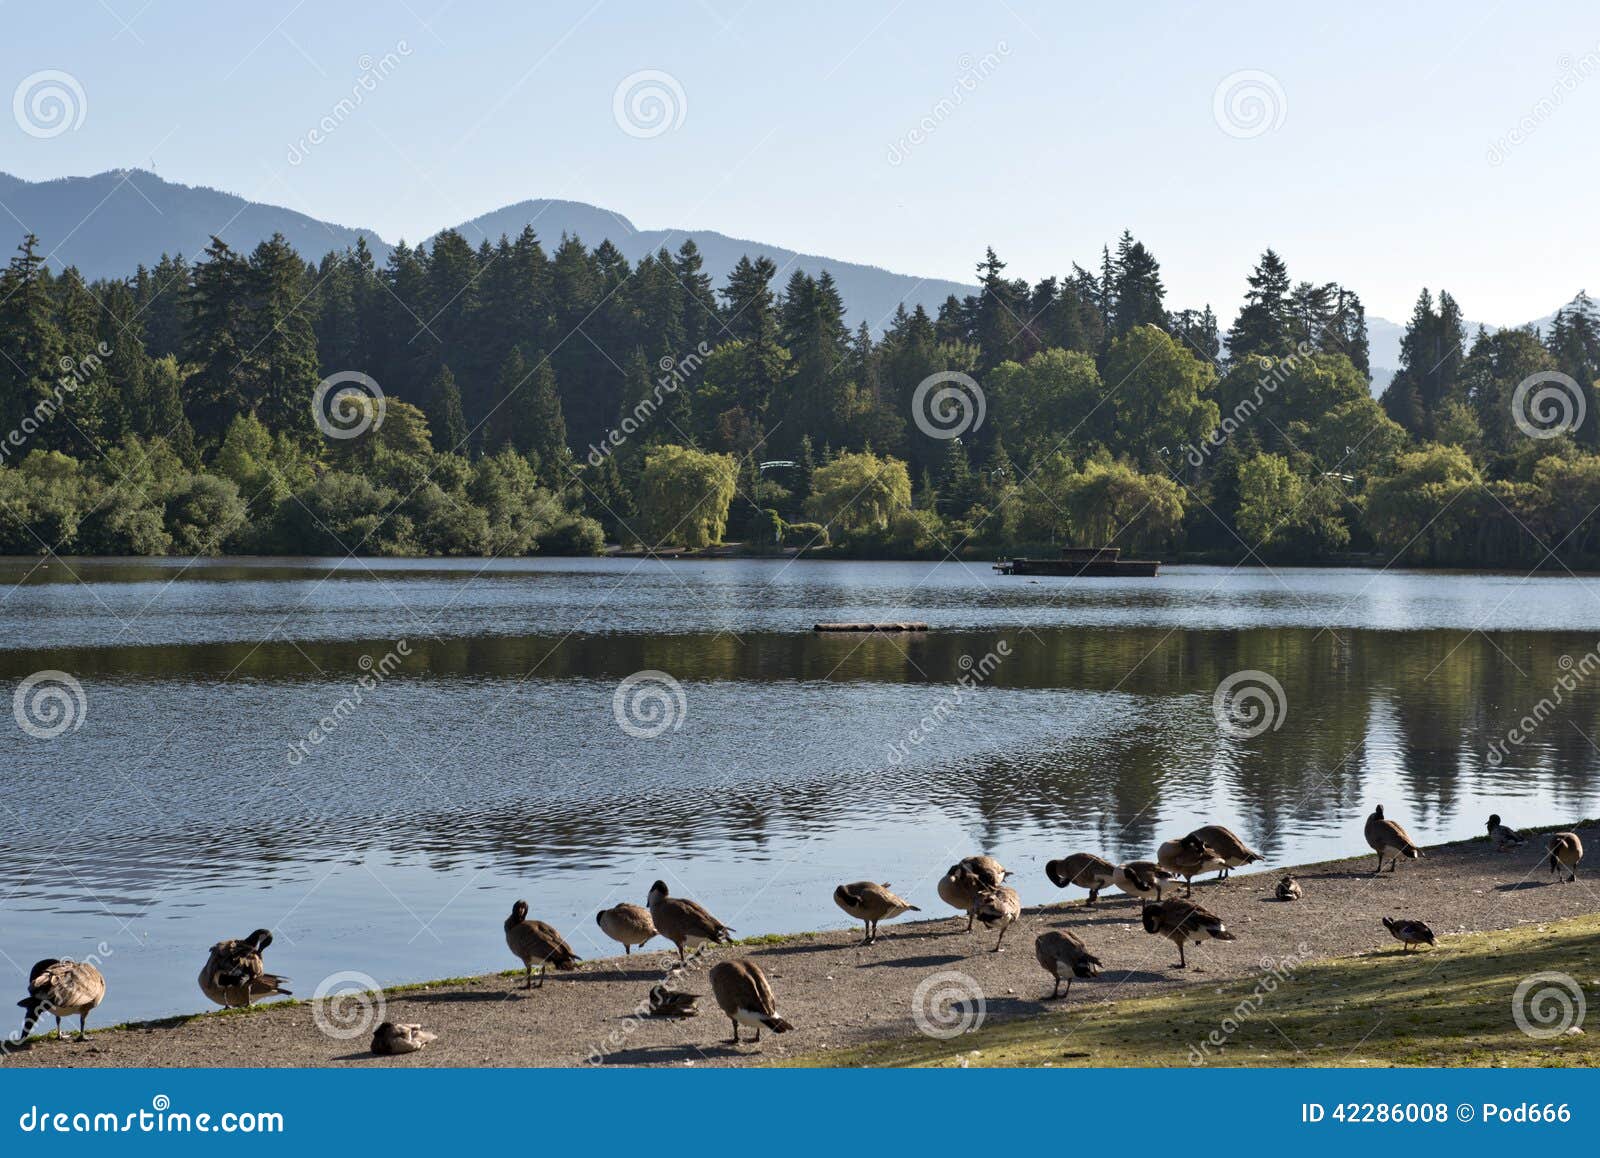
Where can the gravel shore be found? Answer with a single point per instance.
(839, 993)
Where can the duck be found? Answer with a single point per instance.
(1141, 878)
(664, 1002)
(1226, 844)
(1565, 850)
(536, 943)
(745, 995)
(62, 987)
(1289, 888)
(870, 903)
(1188, 858)
(998, 908)
(1409, 933)
(235, 974)
(1060, 950)
(960, 888)
(683, 922)
(1503, 836)
(394, 1038)
(1181, 921)
(1083, 869)
(629, 925)
(1386, 836)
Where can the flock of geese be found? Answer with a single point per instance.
(235, 972)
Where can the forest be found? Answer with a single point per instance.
(508, 399)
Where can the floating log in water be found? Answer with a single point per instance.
(870, 627)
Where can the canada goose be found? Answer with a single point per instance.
(664, 1002)
(1386, 836)
(1060, 951)
(1289, 888)
(1565, 849)
(1226, 844)
(536, 943)
(392, 1038)
(1409, 933)
(746, 997)
(683, 922)
(234, 973)
(997, 908)
(870, 903)
(991, 871)
(1083, 869)
(960, 888)
(1188, 858)
(629, 924)
(62, 988)
(1141, 878)
(1502, 836)
(1180, 921)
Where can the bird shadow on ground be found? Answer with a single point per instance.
(659, 1054)
(1518, 886)
(1144, 975)
(449, 997)
(928, 961)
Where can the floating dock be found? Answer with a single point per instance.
(1083, 563)
(885, 627)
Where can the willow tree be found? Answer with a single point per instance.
(684, 496)
(859, 492)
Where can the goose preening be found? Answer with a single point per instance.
(1566, 850)
(1188, 858)
(745, 995)
(393, 1038)
(1142, 878)
(1227, 845)
(1289, 889)
(966, 880)
(628, 925)
(1503, 836)
(870, 903)
(1387, 837)
(536, 943)
(1059, 951)
(664, 1002)
(235, 974)
(62, 988)
(1083, 869)
(683, 922)
(998, 908)
(1181, 921)
(1409, 933)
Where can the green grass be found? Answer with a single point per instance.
(1449, 1006)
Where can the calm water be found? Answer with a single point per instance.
(490, 763)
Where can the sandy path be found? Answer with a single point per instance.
(838, 993)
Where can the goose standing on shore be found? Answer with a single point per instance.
(998, 908)
(1502, 836)
(235, 973)
(1566, 850)
(62, 988)
(744, 993)
(1386, 836)
(1142, 878)
(1188, 858)
(1058, 951)
(629, 925)
(1226, 844)
(683, 922)
(1181, 921)
(961, 886)
(870, 903)
(536, 943)
(1083, 869)
(1409, 933)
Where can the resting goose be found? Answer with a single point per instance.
(1409, 933)
(683, 922)
(1188, 858)
(536, 943)
(1566, 850)
(1142, 878)
(1502, 836)
(1181, 921)
(1289, 888)
(393, 1038)
(870, 903)
(235, 974)
(1226, 844)
(744, 993)
(1386, 836)
(629, 925)
(62, 988)
(1083, 869)
(998, 908)
(664, 1002)
(1060, 951)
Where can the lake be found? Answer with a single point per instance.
(226, 768)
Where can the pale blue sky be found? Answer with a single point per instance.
(1089, 120)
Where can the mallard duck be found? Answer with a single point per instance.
(1409, 933)
(1502, 836)
(235, 974)
(1188, 857)
(1083, 869)
(62, 987)
(392, 1038)
(997, 908)
(870, 903)
(1386, 836)
(1565, 850)
(1142, 878)
(1060, 951)
(1289, 888)
(1226, 844)
(744, 993)
(683, 922)
(629, 924)
(960, 888)
(536, 943)
(1181, 921)
(664, 1002)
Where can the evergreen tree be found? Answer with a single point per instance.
(1263, 325)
